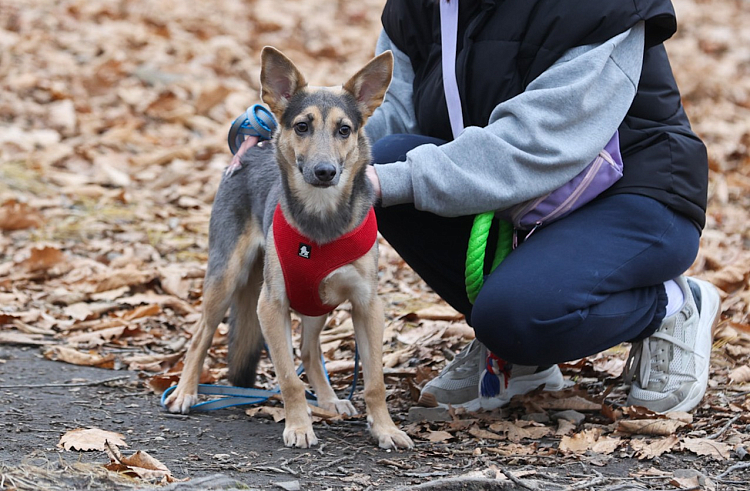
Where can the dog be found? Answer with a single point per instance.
(308, 187)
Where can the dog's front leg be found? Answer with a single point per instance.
(276, 325)
(311, 359)
(368, 329)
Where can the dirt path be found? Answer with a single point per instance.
(226, 448)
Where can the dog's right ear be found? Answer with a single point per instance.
(279, 80)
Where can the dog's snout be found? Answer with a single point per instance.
(325, 172)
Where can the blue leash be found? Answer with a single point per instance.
(255, 121)
(230, 396)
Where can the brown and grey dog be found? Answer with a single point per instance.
(315, 170)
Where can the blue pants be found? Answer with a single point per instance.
(574, 288)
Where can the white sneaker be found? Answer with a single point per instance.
(669, 369)
(460, 382)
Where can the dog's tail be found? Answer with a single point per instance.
(245, 336)
(245, 346)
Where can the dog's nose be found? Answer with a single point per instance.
(325, 172)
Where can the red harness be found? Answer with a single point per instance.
(305, 263)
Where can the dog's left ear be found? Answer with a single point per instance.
(368, 86)
(279, 80)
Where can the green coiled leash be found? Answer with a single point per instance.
(475, 253)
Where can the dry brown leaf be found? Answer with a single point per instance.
(18, 216)
(438, 436)
(439, 313)
(42, 258)
(648, 449)
(577, 403)
(277, 413)
(96, 338)
(655, 427)
(513, 449)
(339, 366)
(740, 375)
(484, 434)
(580, 442)
(142, 311)
(516, 433)
(704, 446)
(129, 276)
(90, 439)
(140, 464)
(75, 357)
(23, 339)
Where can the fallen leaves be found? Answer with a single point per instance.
(109, 165)
(18, 216)
(140, 465)
(89, 439)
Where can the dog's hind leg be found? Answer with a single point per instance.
(245, 337)
(223, 277)
(368, 329)
(311, 359)
(216, 297)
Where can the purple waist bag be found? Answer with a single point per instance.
(599, 175)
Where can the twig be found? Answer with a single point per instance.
(457, 483)
(587, 484)
(735, 467)
(724, 428)
(63, 385)
(334, 462)
(273, 469)
(518, 481)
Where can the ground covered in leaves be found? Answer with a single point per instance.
(113, 118)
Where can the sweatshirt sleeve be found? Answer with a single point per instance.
(396, 113)
(534, 142)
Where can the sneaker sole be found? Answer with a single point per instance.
(551, 379)
(710, 305)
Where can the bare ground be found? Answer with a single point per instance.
(227, 448)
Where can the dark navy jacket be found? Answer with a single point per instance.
(503, 45)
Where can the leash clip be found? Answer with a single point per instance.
(255, 121)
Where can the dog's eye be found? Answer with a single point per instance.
(301, 127)
(345, 131)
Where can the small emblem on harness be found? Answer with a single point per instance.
(304, 250)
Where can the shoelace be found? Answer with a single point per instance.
(642, 351)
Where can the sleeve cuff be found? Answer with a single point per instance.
(395, 183)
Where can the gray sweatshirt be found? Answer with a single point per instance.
(533, 143)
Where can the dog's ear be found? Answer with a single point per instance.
(279, 80)
(368, 86)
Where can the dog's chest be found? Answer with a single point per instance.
(305, 264)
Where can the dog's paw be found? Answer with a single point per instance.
(338, 406)
(389, 436)
(180, 401)
(300, 437)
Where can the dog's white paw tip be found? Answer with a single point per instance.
(300, 438)
(394, 439)
(180, 404)
(339, 407)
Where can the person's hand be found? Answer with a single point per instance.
(250, 141)
(374, 180)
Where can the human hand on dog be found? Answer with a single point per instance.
(374, 180)
(250, 141)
